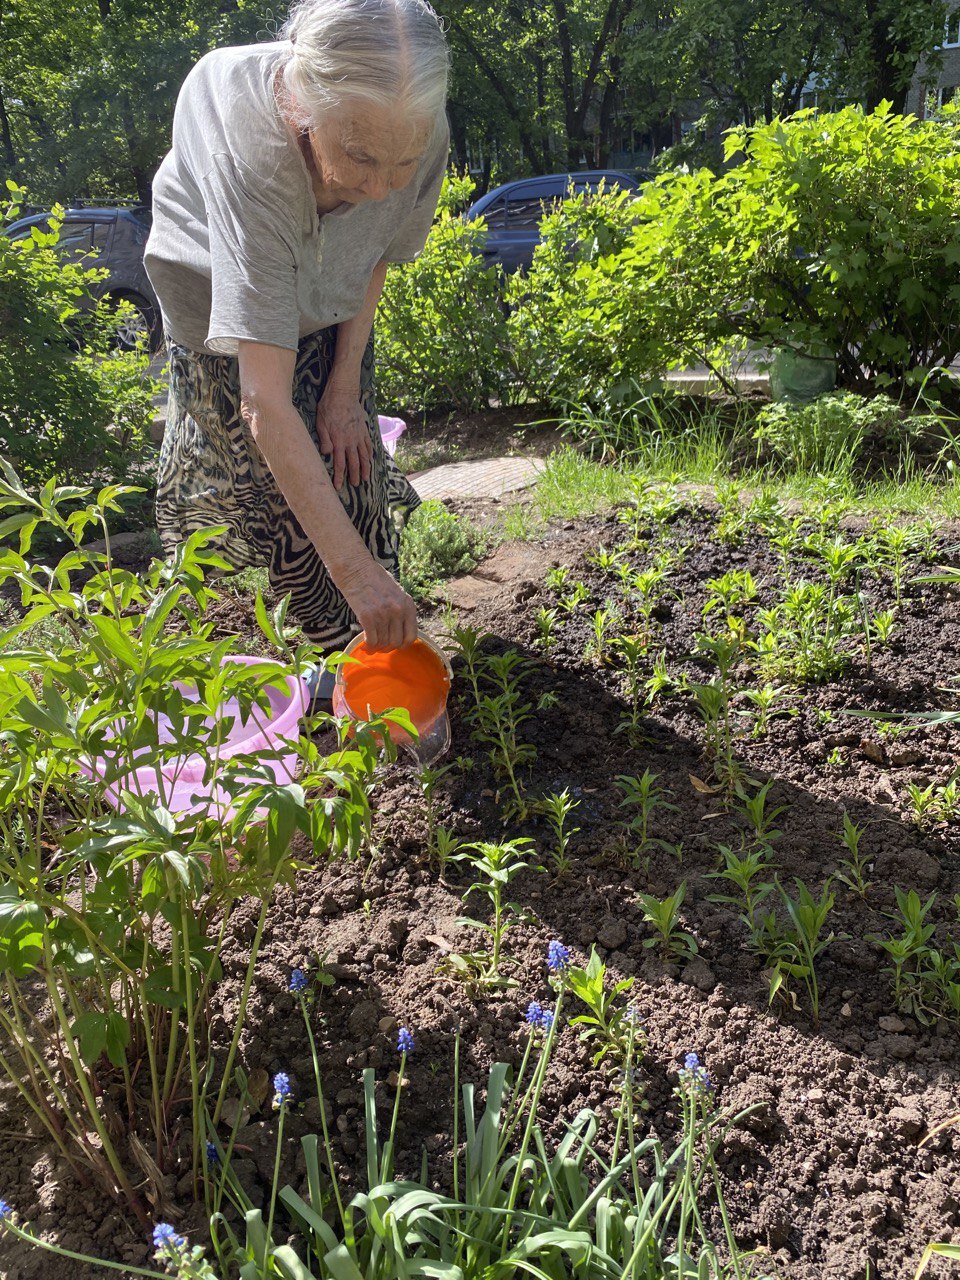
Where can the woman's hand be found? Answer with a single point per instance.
(386, 613)
(343, 432)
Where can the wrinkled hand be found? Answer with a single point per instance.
(386, 613)
(343, 432)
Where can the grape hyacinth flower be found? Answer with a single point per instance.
(298, 981)
(558, 957)
(213, 1155)
(539, 1018)
(405, 1041)
(6, 1209)
(282, 1093)
(166, 1241)
(693, 1076)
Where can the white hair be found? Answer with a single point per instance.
(391, 53)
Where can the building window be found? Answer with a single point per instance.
(947, 94)
(951, 37)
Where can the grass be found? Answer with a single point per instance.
(570, 486)
(714, 447)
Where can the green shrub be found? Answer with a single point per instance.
(441, 330)
(834, 230)
(559, 355)
(436, 544)
(70, 406)
(833, 430)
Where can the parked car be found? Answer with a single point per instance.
(115, 239)
(514, 211)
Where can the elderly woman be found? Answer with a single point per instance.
(299, 170)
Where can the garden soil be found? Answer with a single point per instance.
(833, 1175)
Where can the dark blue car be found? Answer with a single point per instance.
(114, 239)
(513, 212)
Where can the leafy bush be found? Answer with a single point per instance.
(441, 331)
(112, 921)
(832, 427)
(833, 231)
(70, 407)
(436, 544)
(557, 352)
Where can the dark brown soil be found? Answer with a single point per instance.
(829, 1179)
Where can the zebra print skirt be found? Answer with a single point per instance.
(212, 473)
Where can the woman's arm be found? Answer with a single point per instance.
(341, 422)
(384, 610)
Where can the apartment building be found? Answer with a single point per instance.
(935, 88)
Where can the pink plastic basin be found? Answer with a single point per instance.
(391, 429)
(179, 783)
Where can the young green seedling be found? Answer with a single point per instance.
(556, 808)
(660, 680)
(571, 600)
(746, 872)
(766, 700)
(856, 866)
(607, 1028)
(906, 950)
(713, 703)
(546, 620)
(792, 950)
(663, 916)
(498, 719)
(495, 866)
(604, 620)
(923, 803)
(644, 795)
(633, 651)
(557, 577)
(881, 626)
(754, 810)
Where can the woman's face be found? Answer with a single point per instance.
(363, 152)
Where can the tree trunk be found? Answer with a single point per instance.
(499, 86)
(886, 82)
(458, 134)
(9, 155)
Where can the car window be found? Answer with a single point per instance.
(76, 237)
(494, 215)
(524, 215)
(22, 233)
(101, 235)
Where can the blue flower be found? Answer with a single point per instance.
(298, 981)
(693, 1076)
(213, 1155)
(164, 1237)
(558, 957)
(405, 1041)
(539, 1018)
(5, 1209)
(281, 1090)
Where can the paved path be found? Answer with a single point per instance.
(485, 478)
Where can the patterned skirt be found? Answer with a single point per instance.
(212, 473)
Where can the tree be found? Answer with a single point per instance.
(86, 102)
